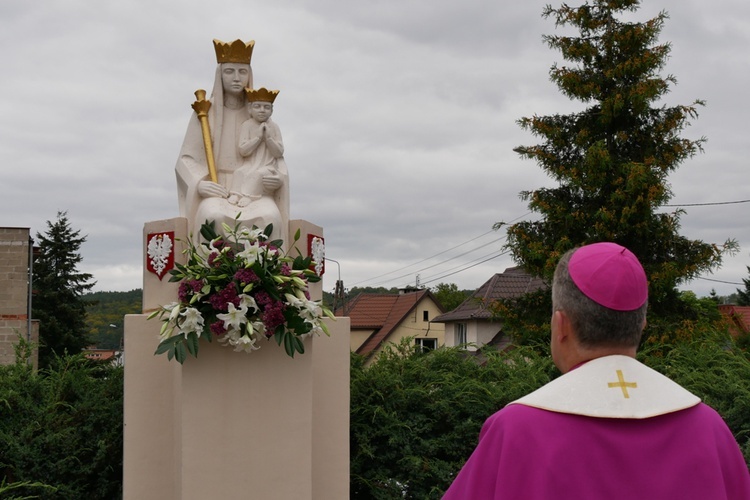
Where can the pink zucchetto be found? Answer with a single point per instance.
(610, 275)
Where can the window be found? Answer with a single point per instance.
(460, 332)
(425, 345)
(425, 315)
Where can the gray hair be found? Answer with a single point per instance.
(595, 325)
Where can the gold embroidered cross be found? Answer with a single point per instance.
(622, 384)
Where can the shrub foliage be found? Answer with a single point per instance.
(61, 427)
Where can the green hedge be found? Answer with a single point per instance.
(61, 427)
(416, 417)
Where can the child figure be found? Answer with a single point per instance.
(261, 146)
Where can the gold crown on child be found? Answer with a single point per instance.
(234, 52)
(262, 94)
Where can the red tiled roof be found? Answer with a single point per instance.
(511, 284)
(369, 310)
(381, 312)
(738, 316)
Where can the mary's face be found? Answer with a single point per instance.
(234, 77)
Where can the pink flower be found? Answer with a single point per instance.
(217, 328)
(189, 288)
(245, 276)
(273, 316)
(222, 298)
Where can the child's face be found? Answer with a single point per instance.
(261, 111)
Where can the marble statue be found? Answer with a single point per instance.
(261, 183)
(247, 181)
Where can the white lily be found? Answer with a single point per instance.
(229, 337)
(234, 317)
(251, 254)
(310, 310)
(248, 302)
(294, 301)
(193, 321)
(250, 234)
(245, 343)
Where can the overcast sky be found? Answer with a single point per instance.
(398, 118)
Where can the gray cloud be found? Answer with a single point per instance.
(398, 119)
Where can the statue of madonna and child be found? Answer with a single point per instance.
(231, 166)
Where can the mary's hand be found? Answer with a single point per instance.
(209, 189)
(271, 183)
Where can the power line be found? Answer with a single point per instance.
(719, 281)
(423, 260)
(439, 263)
(464, 269)
(437, 255)
(708, 204)
(482, 258)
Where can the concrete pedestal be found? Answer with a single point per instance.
(231, 425)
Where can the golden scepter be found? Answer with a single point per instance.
(201, 107)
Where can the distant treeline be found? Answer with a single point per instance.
(105, 312)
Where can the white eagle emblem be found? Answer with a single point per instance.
(159, 252)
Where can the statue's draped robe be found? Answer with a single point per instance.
(191, 168)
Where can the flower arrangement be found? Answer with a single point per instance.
(240, 288)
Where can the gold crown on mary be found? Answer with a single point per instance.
(262, 94)
(234, 52)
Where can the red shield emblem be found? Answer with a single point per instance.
(316, 248)
(160, 253)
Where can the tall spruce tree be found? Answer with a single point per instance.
(58, 287)
(611, 160)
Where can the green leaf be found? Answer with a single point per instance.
(163, 347)
(192, 344)
(299, 345)
(289, 344)
(278, 336)
(180, 352)
(208, 231)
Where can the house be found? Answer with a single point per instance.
(738, 318)
(380, 318)
(472, 322)
(16, 257)
(113, 356)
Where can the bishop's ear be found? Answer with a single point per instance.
(560, 326)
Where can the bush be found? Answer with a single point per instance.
(715, 370)
(415, 417)
(62, 427)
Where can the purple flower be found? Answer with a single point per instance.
(221, 298)
(262, 298)
(246, 276)
(183, 291)
(217, 328)
(273, 316)
(211, 261)
(189, 288)
(285, 269)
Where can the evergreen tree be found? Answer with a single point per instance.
(58, 287)
(611, 160)
(743, 296)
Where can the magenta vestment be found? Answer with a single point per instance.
(527, 453)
